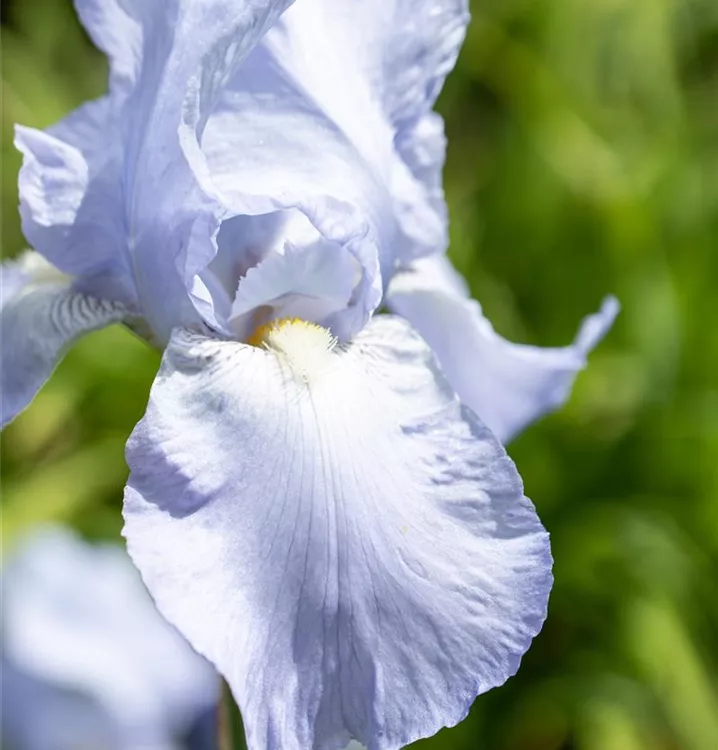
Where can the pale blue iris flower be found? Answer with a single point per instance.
(87, 661)
(309, 500)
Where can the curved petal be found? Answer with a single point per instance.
(69, 204)
(41, 316)
(204, 43)
(270, 150)
(112, 193)
(114, 30)
(311, 283)
(330, 115)
(508, 385)
(376, 72)
(14, 277)
(327, 524)
(91, 652)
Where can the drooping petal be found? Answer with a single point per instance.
(41, 316)
(327, 524)
(508, 385)
(87, 660)
(14, 277)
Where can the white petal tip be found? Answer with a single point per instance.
(596, 326)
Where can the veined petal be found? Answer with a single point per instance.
(112, 194)
(508, 385)
(41, 316)
(327, 524)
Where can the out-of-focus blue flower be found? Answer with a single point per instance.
(87, 661)
(309, 501)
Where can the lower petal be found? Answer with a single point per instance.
(39, 320)
(508, 385)
(327, 524)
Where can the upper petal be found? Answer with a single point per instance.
(176, 211)
(508, 385)
(376, 68)
(112, 193)
(70, 205)
(330, 115)
(42, 314)
(309, 283)
(271, 150)
(349, 545)
(118, 34)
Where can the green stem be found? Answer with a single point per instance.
(231, 729)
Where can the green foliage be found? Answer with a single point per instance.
(583, 160)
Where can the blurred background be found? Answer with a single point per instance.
(583, 160)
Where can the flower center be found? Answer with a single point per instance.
(306, 347)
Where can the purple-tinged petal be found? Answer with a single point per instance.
(66, 197)
(273, 152)
(206, 42)
(41, 315)
(508, 385)
(376, 69)
(329, 526)
(118, 34)
(331, 116)
(310, 283)
(112, 194)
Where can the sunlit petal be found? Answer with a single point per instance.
(508, 385)
(328, 525)
(115, 194)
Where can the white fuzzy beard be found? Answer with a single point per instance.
(307, 348)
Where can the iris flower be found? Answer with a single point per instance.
(310, 502)
(87, 661)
